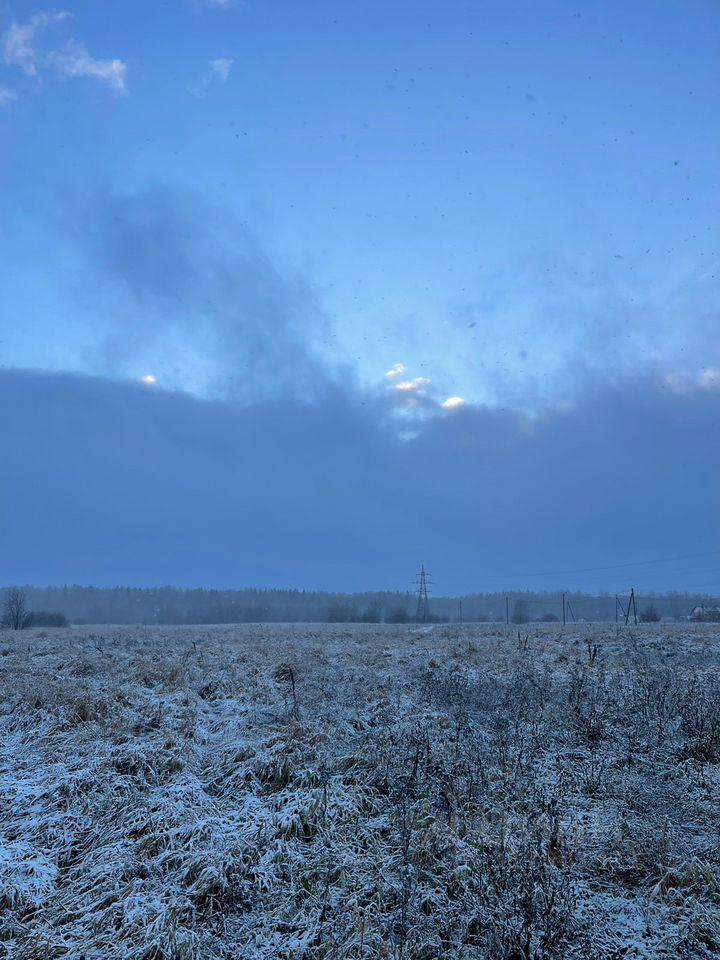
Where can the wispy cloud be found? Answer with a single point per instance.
(217, 315)
(21, 49)
(218, 73)
(707, 378)
(221, 68)
(75, 61)
(18, 41)
(7, 96)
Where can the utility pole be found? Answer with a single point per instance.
(423, 604)
(564, 614)
(631, 606)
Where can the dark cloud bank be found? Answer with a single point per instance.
(107, 482)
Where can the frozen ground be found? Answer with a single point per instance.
(349, 792)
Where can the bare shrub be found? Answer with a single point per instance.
(526, 903)
(700, 719)
(286, 673)
(586, 707)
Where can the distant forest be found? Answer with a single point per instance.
(169, 605)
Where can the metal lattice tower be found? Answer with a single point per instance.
(423, 604)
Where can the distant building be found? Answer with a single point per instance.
(705, 614)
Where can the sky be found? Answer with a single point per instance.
(308, 294)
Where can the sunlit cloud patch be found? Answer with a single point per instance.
(452, 403)
(416, 385)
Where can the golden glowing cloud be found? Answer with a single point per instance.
(412, 386)
(452, 403)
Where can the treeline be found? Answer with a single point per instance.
(170, 605)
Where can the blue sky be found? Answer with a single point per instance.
(466, 185)
(270, 201)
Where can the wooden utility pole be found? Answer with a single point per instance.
(633, 605)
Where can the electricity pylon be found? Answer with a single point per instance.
(423, 604)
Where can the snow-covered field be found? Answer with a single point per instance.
(349, 792)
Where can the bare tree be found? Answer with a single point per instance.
(15, 612)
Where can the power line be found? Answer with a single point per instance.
(611, 566)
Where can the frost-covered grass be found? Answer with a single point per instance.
(350, 792)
